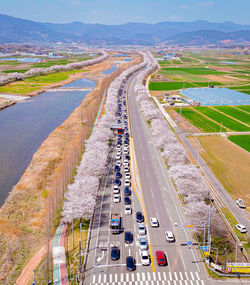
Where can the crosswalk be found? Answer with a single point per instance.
(148, 278)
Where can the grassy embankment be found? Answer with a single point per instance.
(37, 82)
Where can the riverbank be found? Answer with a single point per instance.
(28, 217)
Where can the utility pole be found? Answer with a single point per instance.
(73, 244)
(220, 127)
(204, 234)
(81, 233)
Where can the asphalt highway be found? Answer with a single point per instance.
(154, 195)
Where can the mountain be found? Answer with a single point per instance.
(15, 30)
(210, 37)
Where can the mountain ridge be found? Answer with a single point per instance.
(17, 30)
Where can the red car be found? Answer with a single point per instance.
(161, 258)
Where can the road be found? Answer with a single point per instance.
(157, 199)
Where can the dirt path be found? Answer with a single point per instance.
(27, 272)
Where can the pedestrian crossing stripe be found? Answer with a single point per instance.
(148, 278)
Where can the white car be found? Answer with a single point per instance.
(145, 259)
(119, 163)
(241, 228)
(240, 203)
(126, 161)
(169, 236)
(126, 145)
(125, 152)
(128, 210)
(127, 175)
(119, 153)
(117, 198)
(116, 189)
(118, 157)
(125, 164)
(142, 229)
(127, 182)
(154, 223)
(118, 147)
(126, 169)
(143, 244)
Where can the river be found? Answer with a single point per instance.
(25, 125)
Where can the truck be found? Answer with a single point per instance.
(115, 223)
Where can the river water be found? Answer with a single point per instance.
(25, 125)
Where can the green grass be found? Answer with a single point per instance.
(241, 140)
(244, 108)
(199, 121)
(243, 87)
(36, 82)
(226, 121)
(193, 70)
(235, 113)
(164, 62)
(60, 62)
(16, 70)
(177, 85)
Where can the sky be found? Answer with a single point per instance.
(113, 12)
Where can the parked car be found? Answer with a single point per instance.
(240, 203)
(139, 217)
(128, 238)
(170, 236)
(127, 191)
(118, 157)
(115, 253)
(127, 157)
(127, 201)
(126, 169)
(241, 228)
(118, 174)
(142, 229)
(117, 198)
(130, 263)
(116, 189)
(128, 210)
(145, 259)
(143, 243)
(161, 258)
(154, 222)
(117, 182)
(117, 167)
(127, 182)
(127, 175)
(119, 163)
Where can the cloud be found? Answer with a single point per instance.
(205, 3)
(74, 3)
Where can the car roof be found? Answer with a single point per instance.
(160, 253)
(240, 225)
(143, 239)
(144, 252)
(153, 219)
(169, 233)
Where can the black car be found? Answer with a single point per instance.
(117, 168)
(127, 201)
(127, 135)
(127, 157)
(130, 263)
(118, 174)
(139, 217)
(125, 117)
(127, 191)
(117, 182)
(115, 253)
(118, 121)
(128, 238)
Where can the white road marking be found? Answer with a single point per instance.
(105, 278)
(93, 281)
(198, 277)
(186, 282)
(159, 276)
(99, 279)
(127, 277)
(154, 276)
(186, 275)
(175, 275)
(164, 276)
(182, 260)
(197, 282)
(192, 276)
(181, 276)
(116, 278)
(149, 276)
(170, 276)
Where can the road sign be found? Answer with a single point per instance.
(189, 243)
(190, 226)
(204, 248)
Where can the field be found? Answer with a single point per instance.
(241, 140)
(175, 85)
(220, 118)
(193, 70)
(229, 163)
(235, 113)
(245, 108)
(199, 121)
